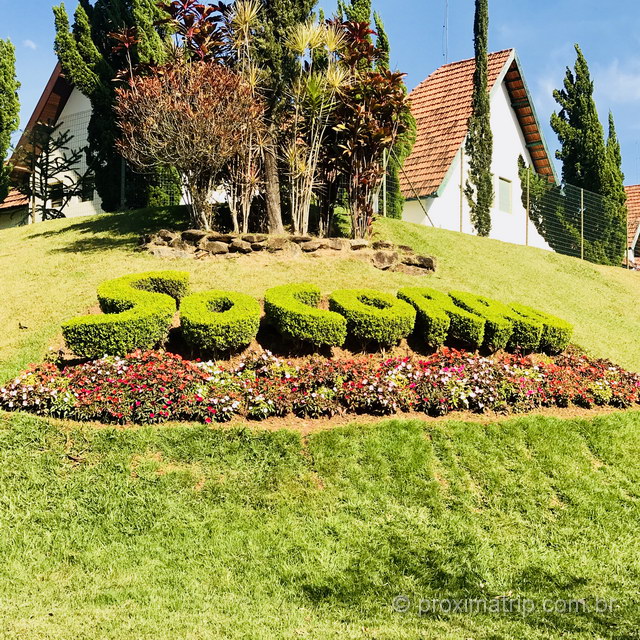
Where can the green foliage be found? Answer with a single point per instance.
(89, 59)
(9, 109)
(479, 144)
(293, 311)
(556, 333)
(373, 316)
(503, 327)
(439, 318)
(219, 320)
(591, 164)
(138, 311)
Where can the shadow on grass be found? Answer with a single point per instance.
(114, 230)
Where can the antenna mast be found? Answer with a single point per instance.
(445, 33)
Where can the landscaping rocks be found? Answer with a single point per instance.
(198, 244)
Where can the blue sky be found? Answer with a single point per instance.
(542, 31)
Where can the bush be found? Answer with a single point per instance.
(293, 311)
(439, 318)
(219, 320)
(373, 316)
(138, 311)
(556, 333)
(503, 326)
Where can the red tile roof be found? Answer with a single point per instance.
(442, 106)
(14, 200)
(633, 207)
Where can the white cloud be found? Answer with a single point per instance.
(30, 44)
(619, 82)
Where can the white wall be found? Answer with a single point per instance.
(75, 117)
(508, 144)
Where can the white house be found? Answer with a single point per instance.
(60, 103)
(436, 171)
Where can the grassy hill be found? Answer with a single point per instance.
(50, 272)
(189, 532)
(183, 531)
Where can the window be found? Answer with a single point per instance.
(505, 195)
(87, 189)
(56, 194)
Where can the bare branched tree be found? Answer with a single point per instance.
(192, 115)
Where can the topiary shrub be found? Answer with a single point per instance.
(438, 318)
(219, 320)
(138, 311)
(373, 316)
(556, 333)
(503, 326)
(293, 310)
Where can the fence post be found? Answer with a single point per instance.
(528, 211)
(384, 185)
(461, 186)
(581, 224)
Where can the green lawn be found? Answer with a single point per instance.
(188, 532)
(50, 272)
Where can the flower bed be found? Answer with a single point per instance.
(155, 387)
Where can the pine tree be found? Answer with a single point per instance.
(89, 59)
(9, 110)
(479, 144)
(590, 163)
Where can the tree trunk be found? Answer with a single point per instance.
(272, 194)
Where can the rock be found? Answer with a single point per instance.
(254, 238)
(226, 237)
(338, 244)
(258, 246)
(385, 259)
(194, 236)
(383, 244)
(277, 244)
(181, 245)
(314, 245)
(406, 248)
(423, 262)
(155, 240)
(168, 252)
(356, 245)
(215, 248)
(300, 239)
(168, 236)
(240, 246)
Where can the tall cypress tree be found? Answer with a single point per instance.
(479, 144)
(9, 109)
(86, 53)
(590, 163)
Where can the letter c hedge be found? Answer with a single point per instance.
(137, 313)
(293, 310)
(374, 316)
(219, 320)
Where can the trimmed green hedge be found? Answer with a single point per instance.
(556, 333)
(219, 320)
(138, 311)
(439, 318)
(293, 310)
(504, 328)
(373, 316)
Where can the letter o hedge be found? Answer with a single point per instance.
(374, 316)
(293, 310)
(138, 311)
(219, 320)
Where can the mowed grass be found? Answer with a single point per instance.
(49, 273)
(195, 533)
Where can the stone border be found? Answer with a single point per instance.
(196, 244)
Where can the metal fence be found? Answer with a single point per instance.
(576, 222)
